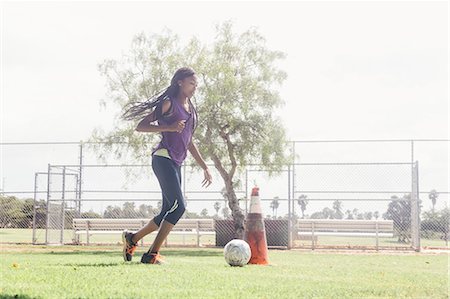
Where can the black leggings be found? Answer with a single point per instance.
(169, 177)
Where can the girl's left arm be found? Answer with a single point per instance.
(196, 154)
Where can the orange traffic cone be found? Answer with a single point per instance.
(255, 232)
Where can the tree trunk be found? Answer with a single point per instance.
(236, 212)
(233, 202)
(227, 177)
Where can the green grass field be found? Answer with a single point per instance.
(99, 272)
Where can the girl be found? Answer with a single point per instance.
(177, 121)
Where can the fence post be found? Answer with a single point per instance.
(142, 225)
(415, 213)
(293, 179)
(376, 232)
(80, 180)
(33, 240)
(246, 190)
(63, 195)
(87, 231)
(198, 233)
(289, 209)
(48, 204)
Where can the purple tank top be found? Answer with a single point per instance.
(177, 143)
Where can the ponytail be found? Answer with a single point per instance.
(138, 110)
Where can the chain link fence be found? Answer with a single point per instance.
(312, 203)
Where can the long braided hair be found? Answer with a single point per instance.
(138, 110)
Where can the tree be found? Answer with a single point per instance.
(376, 214)
(274, 206)
(433, 195)
(15, 212)
(337, 208)
(226, 212)
(217, 207)
(129, 210)
(302, 202)
(368, 215)
(145, 211)
(204, 213)
(112, 212)
(190, 215)
(236, 100)
(399, 210)
(349, 214)
(436, 222)
(90, 214)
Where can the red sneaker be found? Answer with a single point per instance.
(152, 258)
(128, 245)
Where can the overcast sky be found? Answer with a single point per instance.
(355, 69)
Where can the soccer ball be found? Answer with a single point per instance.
(237, 252)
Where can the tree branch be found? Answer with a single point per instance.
(230, 148)
(216, 159)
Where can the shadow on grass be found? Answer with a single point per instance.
(19, 296)
(100, 265)
(197, 252)
(83, 252)
(165, 252)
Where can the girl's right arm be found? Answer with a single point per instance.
(145, 125)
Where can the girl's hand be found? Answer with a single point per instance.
(178, 126)
(208, 178)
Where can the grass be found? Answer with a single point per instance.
(99, 272)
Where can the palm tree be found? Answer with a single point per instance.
(302, 202)
(433, 195)
(217, 207)
(337, 207)
(274, 206)
(376, 214)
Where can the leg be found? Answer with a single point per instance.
(169, 179)
(153, 224)
(147, 229)
(164, 230)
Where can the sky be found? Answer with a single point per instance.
(356, 69)
(361, 69)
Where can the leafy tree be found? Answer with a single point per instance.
(204, 213)
(376, 214)
(226, 212)
(217, 207)
(274, 206)
(90, 214)
(399, 210)
(128, 210)
(349, 214)
(302, 202)
(190, 215)
(433, 195)
(236, 100)
(326, 213)
(337, 208)
(112, 212)
(436, 222)
(15, 212)
(145, 211)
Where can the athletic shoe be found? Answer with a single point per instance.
(128, 245)
(152, 258)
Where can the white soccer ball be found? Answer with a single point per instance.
(237, 252)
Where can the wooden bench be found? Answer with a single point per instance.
(90, 226)
(344, 227)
